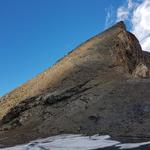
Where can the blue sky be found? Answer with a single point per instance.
(34, 34)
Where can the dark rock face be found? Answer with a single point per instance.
(102, 86)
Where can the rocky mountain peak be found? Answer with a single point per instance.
(84, 91)
(121, 25)
(127, 51)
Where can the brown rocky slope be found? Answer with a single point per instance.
(102, 87)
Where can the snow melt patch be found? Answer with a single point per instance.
(132, 145)
(75, 142)
(68, 142)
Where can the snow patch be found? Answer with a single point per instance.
(75, 142)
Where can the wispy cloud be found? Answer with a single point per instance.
(110, 16)
(130, 4)
(122, 13)
(137, 13)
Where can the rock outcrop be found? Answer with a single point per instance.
(102, 87)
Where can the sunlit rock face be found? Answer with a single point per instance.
(102, 86)
(141, 71)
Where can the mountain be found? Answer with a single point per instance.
(102, 86)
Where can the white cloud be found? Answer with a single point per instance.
(141, 24)
(146, 44)
(122, 13)
(137, 13)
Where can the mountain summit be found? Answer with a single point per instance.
(102, 87)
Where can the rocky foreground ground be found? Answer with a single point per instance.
(102, 87)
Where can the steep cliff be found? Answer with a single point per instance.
(102, 86)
